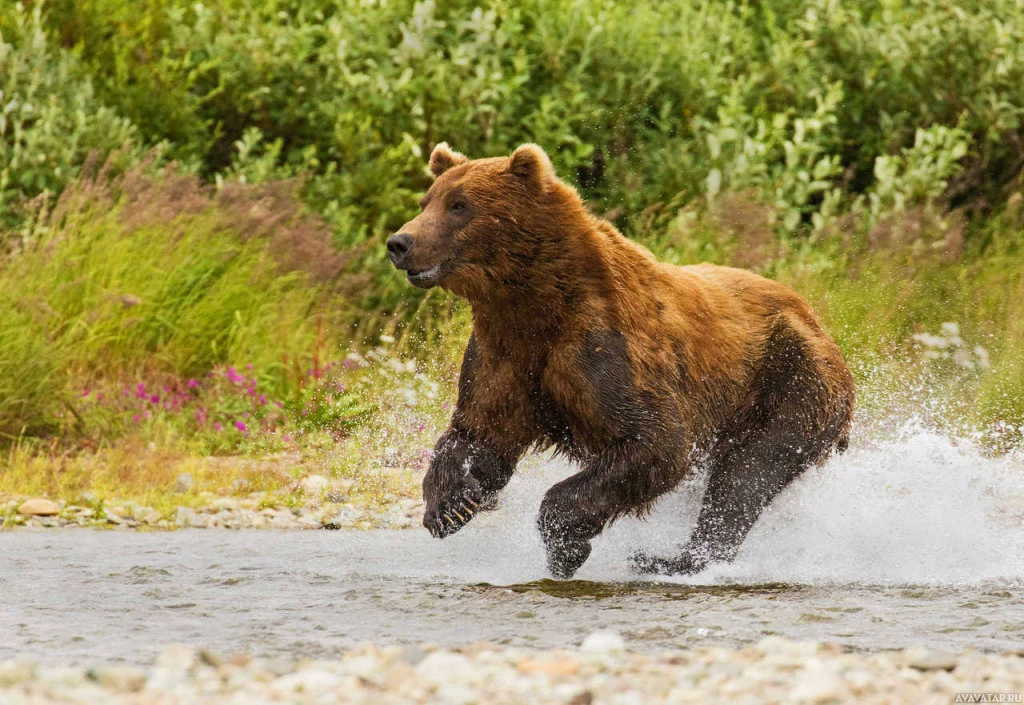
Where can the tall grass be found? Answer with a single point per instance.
(133, 277)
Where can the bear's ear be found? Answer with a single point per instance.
(443, 158)
(529, 162)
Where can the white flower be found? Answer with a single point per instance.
(950, 329)
(982, 355)
(931, 341)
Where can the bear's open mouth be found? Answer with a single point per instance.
(420, 277)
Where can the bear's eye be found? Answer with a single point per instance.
(458, 207)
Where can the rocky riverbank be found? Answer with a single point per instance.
(315, 502)
(601, 670)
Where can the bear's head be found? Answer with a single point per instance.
(483, 221)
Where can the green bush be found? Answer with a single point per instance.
(51, 118)
(670, 100)
(861, 151)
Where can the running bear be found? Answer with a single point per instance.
(637, 370)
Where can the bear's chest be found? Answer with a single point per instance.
(556, 423)
(586, 398)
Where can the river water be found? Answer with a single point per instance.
(914, 541)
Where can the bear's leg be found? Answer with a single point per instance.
(627, 477)
(465, 476)
(791, 423)
(746, 478)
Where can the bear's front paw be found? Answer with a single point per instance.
(685, 564)
(453, 510)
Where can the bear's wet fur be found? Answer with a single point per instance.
(639, 371)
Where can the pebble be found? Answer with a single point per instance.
(411, 654)
(186, 517)
(39, 507)
(66, 677)
(314, 484)
(250, 512)
(930, 660)
(184, 483)
(17, 671)
(442, 666)
(177, 658)
(312, 681)
(776, 671)
(818, 685)
(552, 666)
(603, 642)
(121, 679)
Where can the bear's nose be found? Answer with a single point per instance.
(398, 248)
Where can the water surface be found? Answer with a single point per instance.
(915, 542)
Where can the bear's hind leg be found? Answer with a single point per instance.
(741, 484)
(795, 417)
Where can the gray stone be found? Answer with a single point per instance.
(210, 658)
(314, 485)
(187, 517)
(930, 660)
(16, 671)
(121, 679)
(411, 654)
(177, 658)
(603, 643)
(184, 483)
(309, 522)
(310, 681)
(69, 677)
(444, 667)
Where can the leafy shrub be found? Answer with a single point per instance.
(809, 103)
(829, 144)
(50, 116)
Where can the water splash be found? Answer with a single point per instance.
(920, 508)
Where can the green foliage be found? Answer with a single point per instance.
(50, 116)
(919, 173)
(807, 103)
(830, 144)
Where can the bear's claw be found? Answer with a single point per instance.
(443, 522)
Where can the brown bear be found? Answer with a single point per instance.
(639, 371)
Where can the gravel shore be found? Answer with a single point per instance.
(602, 670)
(320, 504)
